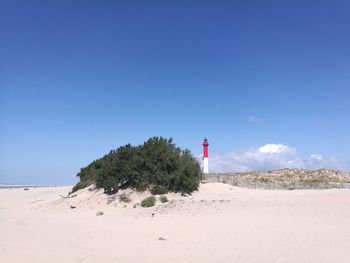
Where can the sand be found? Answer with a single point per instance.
(219, 223)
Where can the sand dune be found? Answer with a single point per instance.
(219, 223)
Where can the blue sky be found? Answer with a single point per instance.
(79, 78)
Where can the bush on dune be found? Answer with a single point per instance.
(148, 202)
(163, 199)
(157, 165)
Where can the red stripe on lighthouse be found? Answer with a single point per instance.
(205, 148)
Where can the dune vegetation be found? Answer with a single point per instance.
(157, 165)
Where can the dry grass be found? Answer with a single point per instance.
(124, 198)
(296, 175)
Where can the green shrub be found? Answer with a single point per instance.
(148, 202)
(163, 199)
(159, 190)
(157, 165)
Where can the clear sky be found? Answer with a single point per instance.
(268, 82)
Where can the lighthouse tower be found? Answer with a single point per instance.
(205, 156)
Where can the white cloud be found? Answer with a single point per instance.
(267, 157)
(275, 148)
(254, 119)
(317, 157)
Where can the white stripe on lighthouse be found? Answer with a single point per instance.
(205, 165)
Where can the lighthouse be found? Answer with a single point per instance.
(205, 156)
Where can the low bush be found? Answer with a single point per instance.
(148, 202)
(163, 199)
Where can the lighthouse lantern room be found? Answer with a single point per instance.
(205, 156)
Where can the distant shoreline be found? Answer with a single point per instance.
(9, 186)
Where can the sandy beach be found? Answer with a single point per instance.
(219, 223)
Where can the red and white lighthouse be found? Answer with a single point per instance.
(205, 156)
